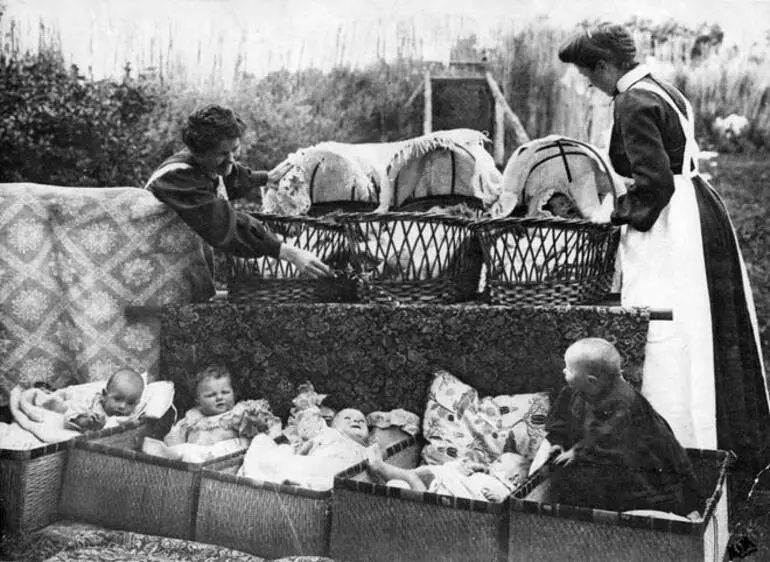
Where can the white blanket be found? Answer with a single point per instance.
(35, 425)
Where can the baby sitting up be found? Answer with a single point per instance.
(315, 461)
(217, 425)
(611, 449)
(462, 478)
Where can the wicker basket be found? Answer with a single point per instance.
(413, 258)
(109, 482)
(543, 531)
(31, 482)
(275, 281)
(372, 522)
(547, 261)
(274, 520)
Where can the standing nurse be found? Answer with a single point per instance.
(703, 372)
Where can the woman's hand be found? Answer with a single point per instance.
(306, 262)
(278, 172)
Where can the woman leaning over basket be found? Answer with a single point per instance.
(703, 372)
(199, 182)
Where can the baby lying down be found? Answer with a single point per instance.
(314, 462)
(43, 416)
(462, 478)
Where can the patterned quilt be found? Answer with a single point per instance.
(68, 541)
(71, 261)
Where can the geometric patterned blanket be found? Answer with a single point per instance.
(71, 261)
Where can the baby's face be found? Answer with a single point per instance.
(576, 376)
(121, 397)
(562, 206)
(215, 396)
(352, 423)
(509, 466)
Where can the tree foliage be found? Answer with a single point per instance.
(57, 127)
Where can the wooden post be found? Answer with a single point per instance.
(427, 120)
(499, 134)
(414, 94)
(510, 116)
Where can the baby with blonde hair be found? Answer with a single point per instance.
(610, 448)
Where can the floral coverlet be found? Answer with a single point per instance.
(71, 260)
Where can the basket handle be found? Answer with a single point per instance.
(312, 179)
(453, 188)
(601, 160)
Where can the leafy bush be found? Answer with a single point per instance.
(57, 127)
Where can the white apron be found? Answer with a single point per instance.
(665, 268)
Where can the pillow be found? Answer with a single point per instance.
(407, 421)
(158, 398)
(459, 425)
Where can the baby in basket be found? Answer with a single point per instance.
(610, 448)
(462, 478)
(562, 205)
(119, 398)
(217, 425)
(44, 415)
(310, 463)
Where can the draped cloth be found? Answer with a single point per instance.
(71, 261)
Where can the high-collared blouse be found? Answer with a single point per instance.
(647, 144)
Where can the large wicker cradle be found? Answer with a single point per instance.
(31, 481)
(275, 520)
(373, 522)
(109, 481)
(544, 531)
(374, 377)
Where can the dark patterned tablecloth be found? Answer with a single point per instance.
(380, 357)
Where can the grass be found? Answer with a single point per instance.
(744, 183)
(743, 180)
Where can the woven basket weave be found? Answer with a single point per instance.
(274, 520)
(278, 281)
(109, 482)
(31, 482)
(372, 522)
(413, 258)
(546, 532)
(547, 261)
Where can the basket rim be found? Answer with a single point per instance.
(323, 221)
(519, 503)
(146, 458)
(49, 448)
(472, 200)
(482, 224)
(344, 481)
(390, 216)
(211, 473)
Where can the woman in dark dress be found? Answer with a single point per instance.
(703, 371)
(199, 182)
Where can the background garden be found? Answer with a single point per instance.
(64, 124)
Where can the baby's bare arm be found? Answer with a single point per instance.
(385, 471)
(388, 472)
